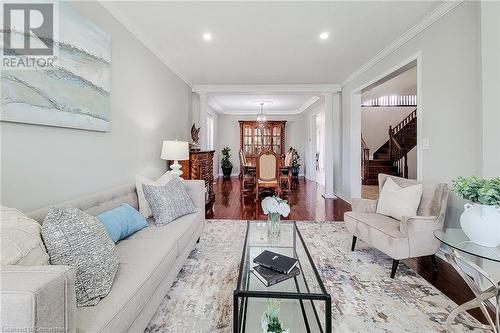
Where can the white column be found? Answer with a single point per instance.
(202, 121)
(332, 142)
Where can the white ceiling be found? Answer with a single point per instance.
(403, 84)
(247, 104)
(273, 42)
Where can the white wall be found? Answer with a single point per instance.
(228, 132)
(44, 165)
(449, 100)
(309, 160)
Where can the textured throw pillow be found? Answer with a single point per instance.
(396, 201)
(168, 202)
(122, 221)
(77, 239)
(20, 240)
(144, 208)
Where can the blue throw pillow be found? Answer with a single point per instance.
(123, 221)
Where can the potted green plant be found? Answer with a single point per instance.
(226, 165)
(481, 220)
(295, 162)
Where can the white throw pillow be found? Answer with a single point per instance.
(144, 208)
(396, 201)
(20, 239)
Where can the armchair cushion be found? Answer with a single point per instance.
(397, 201)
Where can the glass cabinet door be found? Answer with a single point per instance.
(277, 139)
(248, 140)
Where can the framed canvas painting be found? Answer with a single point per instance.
(73, 93)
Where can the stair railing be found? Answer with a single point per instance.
(365, 159)
(397, 140)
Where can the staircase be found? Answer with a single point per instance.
(391, 157)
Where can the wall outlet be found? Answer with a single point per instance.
(426, 144)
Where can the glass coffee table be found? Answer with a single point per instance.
(459, 243)
(303, 303)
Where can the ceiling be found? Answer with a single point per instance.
(247, 104)
(273, 42)
(403, 84)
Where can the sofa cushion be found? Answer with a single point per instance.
(122, 221)
(180, 230)
(143, 265)
(144, 208)
(20, 239)
(76, 239)
(379, 231)
(168, 202)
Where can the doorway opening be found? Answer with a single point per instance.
(389, 129)
(320, 148)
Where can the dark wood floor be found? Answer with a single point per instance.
(307, 204)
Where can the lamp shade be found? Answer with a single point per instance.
(175, 150)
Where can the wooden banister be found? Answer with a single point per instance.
(365, 159)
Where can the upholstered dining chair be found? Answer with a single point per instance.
(286, 174)
(247, 176)
(411, 237)
(267, 172)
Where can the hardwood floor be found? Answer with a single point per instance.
(305, 201)
(307, 204)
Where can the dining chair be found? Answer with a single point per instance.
(286, 174)
(267, 172)
(247, 176)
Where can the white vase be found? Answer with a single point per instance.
(481, 223)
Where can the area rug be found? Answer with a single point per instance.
(364, 297)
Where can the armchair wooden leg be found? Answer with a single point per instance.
(434, 263)
(353, 245)
(394, 267)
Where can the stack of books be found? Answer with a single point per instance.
(274, 267)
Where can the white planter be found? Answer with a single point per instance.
(481, 224)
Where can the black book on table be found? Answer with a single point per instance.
(269, 277)
(276, 261)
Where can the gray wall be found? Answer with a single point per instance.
(450, 104)
(43, 165)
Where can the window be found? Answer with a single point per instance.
(393, 100)
(210, 132)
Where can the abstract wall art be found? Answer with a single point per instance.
(75, 93)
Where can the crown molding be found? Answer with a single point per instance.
(143, 38)
(307, 104)
(265, 88)
(426, 22)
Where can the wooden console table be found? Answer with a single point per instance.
(201, 166)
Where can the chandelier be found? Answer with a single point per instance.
(261, 117)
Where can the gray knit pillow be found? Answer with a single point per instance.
(77, 239)
(168, 202)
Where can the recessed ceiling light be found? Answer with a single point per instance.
(207, 36)
(324, 35)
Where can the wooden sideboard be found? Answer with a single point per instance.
(201, 166)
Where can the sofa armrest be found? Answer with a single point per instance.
(419, 224)
(37, 298)
(196, 190)
(364, 205)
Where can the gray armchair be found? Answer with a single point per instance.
(411, 237)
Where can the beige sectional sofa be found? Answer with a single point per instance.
(43, 297)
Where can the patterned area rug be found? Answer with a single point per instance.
(364, 297)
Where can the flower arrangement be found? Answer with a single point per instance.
(275, 205)
(478, 190)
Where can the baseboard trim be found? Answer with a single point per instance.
(343, 197)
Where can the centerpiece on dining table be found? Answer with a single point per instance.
(274, 207)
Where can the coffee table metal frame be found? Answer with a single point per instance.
(239, 310)
(481, 296)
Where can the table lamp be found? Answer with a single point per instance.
(175, 151)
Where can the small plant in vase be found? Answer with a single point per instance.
(270, 319)
(274, 207)
(225, 163)
(481, 220)
(295, 162)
